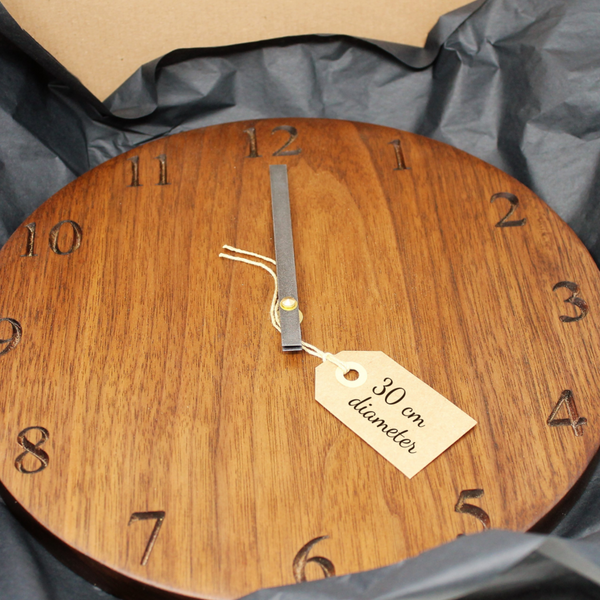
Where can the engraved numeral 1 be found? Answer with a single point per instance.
(301, 560)
(574, 420)
(400, 162)
(573, 299)
(514, 202)
(159, 515)
(33, 449)
(471, 509)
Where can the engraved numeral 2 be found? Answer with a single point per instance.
(573, 299)
(253, 143)
(471, 509)
(33, 449)
(135, 170)
(514, 202)
(574, 420)
(159, 515)
(53, 239)
(301, 560)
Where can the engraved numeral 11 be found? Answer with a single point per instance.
(135, 170)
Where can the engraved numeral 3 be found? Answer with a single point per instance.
(301, 560)
(573, 299)
(514, 202)
(471, 509)
(574, 420)
(33, 449)
(159, 515)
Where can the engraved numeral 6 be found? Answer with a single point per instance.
(301, 560)
(53, 239)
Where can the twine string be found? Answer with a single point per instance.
(273, 311)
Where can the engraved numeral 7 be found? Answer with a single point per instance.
(159, 515)
(471, 509)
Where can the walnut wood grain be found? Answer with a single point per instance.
(155, 370)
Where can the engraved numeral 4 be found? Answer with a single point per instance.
(301, 560)
(573, 420)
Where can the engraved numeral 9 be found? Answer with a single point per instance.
(14, 339)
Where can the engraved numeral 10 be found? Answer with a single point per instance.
(135, 170)
(53, 239)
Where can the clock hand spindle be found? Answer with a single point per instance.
(289, 315)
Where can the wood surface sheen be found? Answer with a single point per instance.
(154, 367)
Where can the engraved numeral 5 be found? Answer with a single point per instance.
(573, 299)
(574, 420)
(159, 515)
(471, 509)
(301, 560)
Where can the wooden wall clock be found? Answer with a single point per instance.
(152, 424)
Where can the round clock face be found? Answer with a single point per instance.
(152, 423)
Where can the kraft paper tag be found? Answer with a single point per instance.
(396, 413)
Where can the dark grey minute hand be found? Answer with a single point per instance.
(287, 290)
